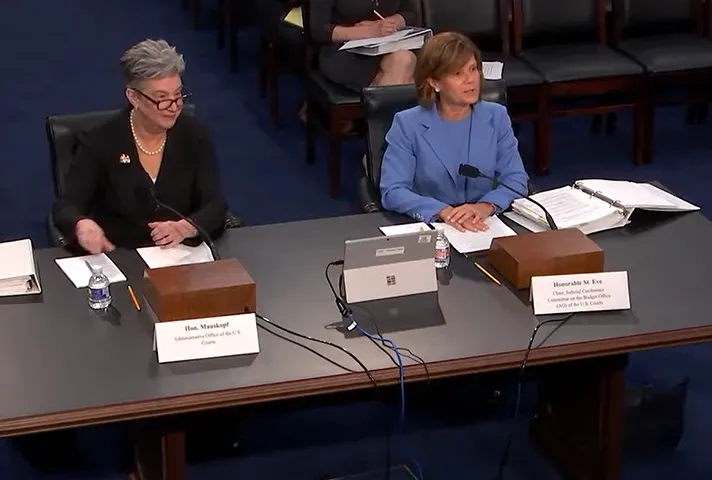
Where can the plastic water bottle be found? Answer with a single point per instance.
(442, 248)
(99, 291)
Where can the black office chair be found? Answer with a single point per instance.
(63, 133)
(381, 104)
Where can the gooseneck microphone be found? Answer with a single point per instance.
(473, 172)
(201, 233)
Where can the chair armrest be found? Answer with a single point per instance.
(369, 198)
(56, 238)
(495, 91)
(232, 221)
(532, 188)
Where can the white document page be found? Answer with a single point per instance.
(492, 70)
(526, 222)
(374, 42)
(468, 242)
(679, 205)
(569, 208)
(638, 195)
(405, 228)
(78, 272)
(159, 257)
(17, 268)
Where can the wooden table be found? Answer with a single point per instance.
(64, 366)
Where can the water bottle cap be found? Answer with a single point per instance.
(440, 227)
(96, 269)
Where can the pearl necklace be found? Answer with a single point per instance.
(138, 143)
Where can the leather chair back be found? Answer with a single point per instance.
(645, 14)
(559, 16)
(476, 18)
(382, 103)
(64, 133)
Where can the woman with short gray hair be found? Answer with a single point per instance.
(148, 151)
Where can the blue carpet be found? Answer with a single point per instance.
(62, 57)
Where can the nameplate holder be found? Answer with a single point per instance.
(584, 292)
(203, 338)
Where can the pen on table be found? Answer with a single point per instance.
(88, 266)
(491, 277)
(378, 15)
(133, 297)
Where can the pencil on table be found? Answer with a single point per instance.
(491, 277)
(135, 300)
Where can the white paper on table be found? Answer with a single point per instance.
(405, 228)
(492, 70)
(468, 242)
(78, 272)
(159, 257)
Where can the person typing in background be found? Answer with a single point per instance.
(427, 143)
(148, 149)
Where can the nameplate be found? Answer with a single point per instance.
(585, 292)
(206, 338)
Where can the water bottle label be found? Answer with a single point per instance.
(98, 294)
(442, 254)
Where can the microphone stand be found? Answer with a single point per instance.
(474, 172)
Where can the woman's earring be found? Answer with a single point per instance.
(437, 90)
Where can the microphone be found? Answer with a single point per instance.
(201, 233)
(474, 172)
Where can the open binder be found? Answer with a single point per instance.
(17, 269)
(410, 38)
(595, 205)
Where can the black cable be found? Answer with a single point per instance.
(346, 311)
(383, 349)
(505, 455)
(323, 342)
(411, 355)
(321, 355)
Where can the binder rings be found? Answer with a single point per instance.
(595, 205)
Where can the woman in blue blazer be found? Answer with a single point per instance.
(426, 144)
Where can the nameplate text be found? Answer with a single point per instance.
(206, 338)
(586, 292)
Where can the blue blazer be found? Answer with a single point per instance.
(419, 174)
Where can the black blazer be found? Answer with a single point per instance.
(116, 194)
(326, 14)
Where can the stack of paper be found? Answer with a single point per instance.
(463, 242)
(637, 195)
(78, 271)
(403, 229)
(406, 39)
(492, 70)
(159, 257)
(469, 242)
(17, 269)
(594, 205)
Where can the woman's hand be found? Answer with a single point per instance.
(371, 28)
(381, 28)
(392, 24)
(468, 217)
(91, 237)
(170, 233)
